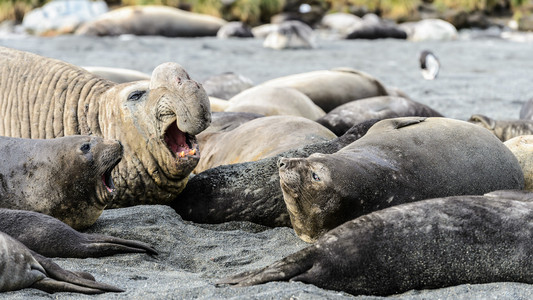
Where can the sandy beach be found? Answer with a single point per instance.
(478, 76)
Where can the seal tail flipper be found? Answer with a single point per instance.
(62, 280)
(282, 270)
(101, 245)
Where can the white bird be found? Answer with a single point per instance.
(429, 65)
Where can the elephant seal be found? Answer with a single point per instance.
(347, 115)
(257, 139)
(21, 268)
(503, 129)
(152, 20)
(249, 191)
(373, 27)
(398, 160)
(290, 35)
(331, 88)
(118, 75)
(429, 65)
(67, 178)
(50, 237)
(272, 100)
(522, 148)
(433, 243)
(226, 85)
(226, 121)
(155, 120)
(429, 30)
(235, 29)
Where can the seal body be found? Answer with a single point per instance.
(522, 148)
(249, 191)
(152, 20)
(399, 160)
(226, 85)
(433, 243)
(349, 114)
(52, 238)
(331, 88)
(504, 129)
(66, 177)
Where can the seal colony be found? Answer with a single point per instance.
(155, 120)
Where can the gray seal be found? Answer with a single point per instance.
(398, 160)
(433, 243)
(52, 238)
(22, 268)
(503, 129)
(66, 177)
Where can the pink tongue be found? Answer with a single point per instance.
(176, 139)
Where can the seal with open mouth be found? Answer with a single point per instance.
(66, 178)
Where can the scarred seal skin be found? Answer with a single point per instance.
(427, 244)
(68, 178)
(399, 160)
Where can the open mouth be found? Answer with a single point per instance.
(107, 179)
(181, 144)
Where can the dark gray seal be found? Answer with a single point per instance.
(503, 129)
(345, 116)
(398, 160)
(52, 238)
(249, 191)
(22, 268)
(433, 243)
(226, 85)
(66, 177)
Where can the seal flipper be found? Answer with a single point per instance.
(61, 280)
(102, 245)
(282, 270)
(404, 122)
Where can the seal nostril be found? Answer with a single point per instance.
(281, 164)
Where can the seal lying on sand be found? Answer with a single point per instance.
(504, 129)
(155, 120)
(21, 268)
(397, 161)
(347, 115)
(331, 88)
(52, 238)
(427, 244)
(257, 139)
(249, 191)
(68, 178)
(152, 20)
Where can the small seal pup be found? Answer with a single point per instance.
(429, 65)
(22, 268)
(52, 238)
(397, 161)
(345, 116)
(432, 243)
(65, 178)
(249, 191)
(503, 129)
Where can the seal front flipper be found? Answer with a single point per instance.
(396, 123)
(60, 280)
(102, 245)
(288, 268)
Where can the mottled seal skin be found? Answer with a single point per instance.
(152, 20)
(399, 160)
(155, 120)
(331, 88)
(52, 238)
(432, 243)
(258, 139)
(226, 85)
(249, 191)
(503, 129)
(66, 177)
(522, 148)
(22, 268)
(347, 115)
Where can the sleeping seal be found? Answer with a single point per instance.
(398, 160)
(433, 243)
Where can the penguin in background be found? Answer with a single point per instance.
(429, 65)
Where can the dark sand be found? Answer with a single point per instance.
(491, 77)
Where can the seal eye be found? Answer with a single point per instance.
(85, 147)
(315, 177)
(134, 96)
